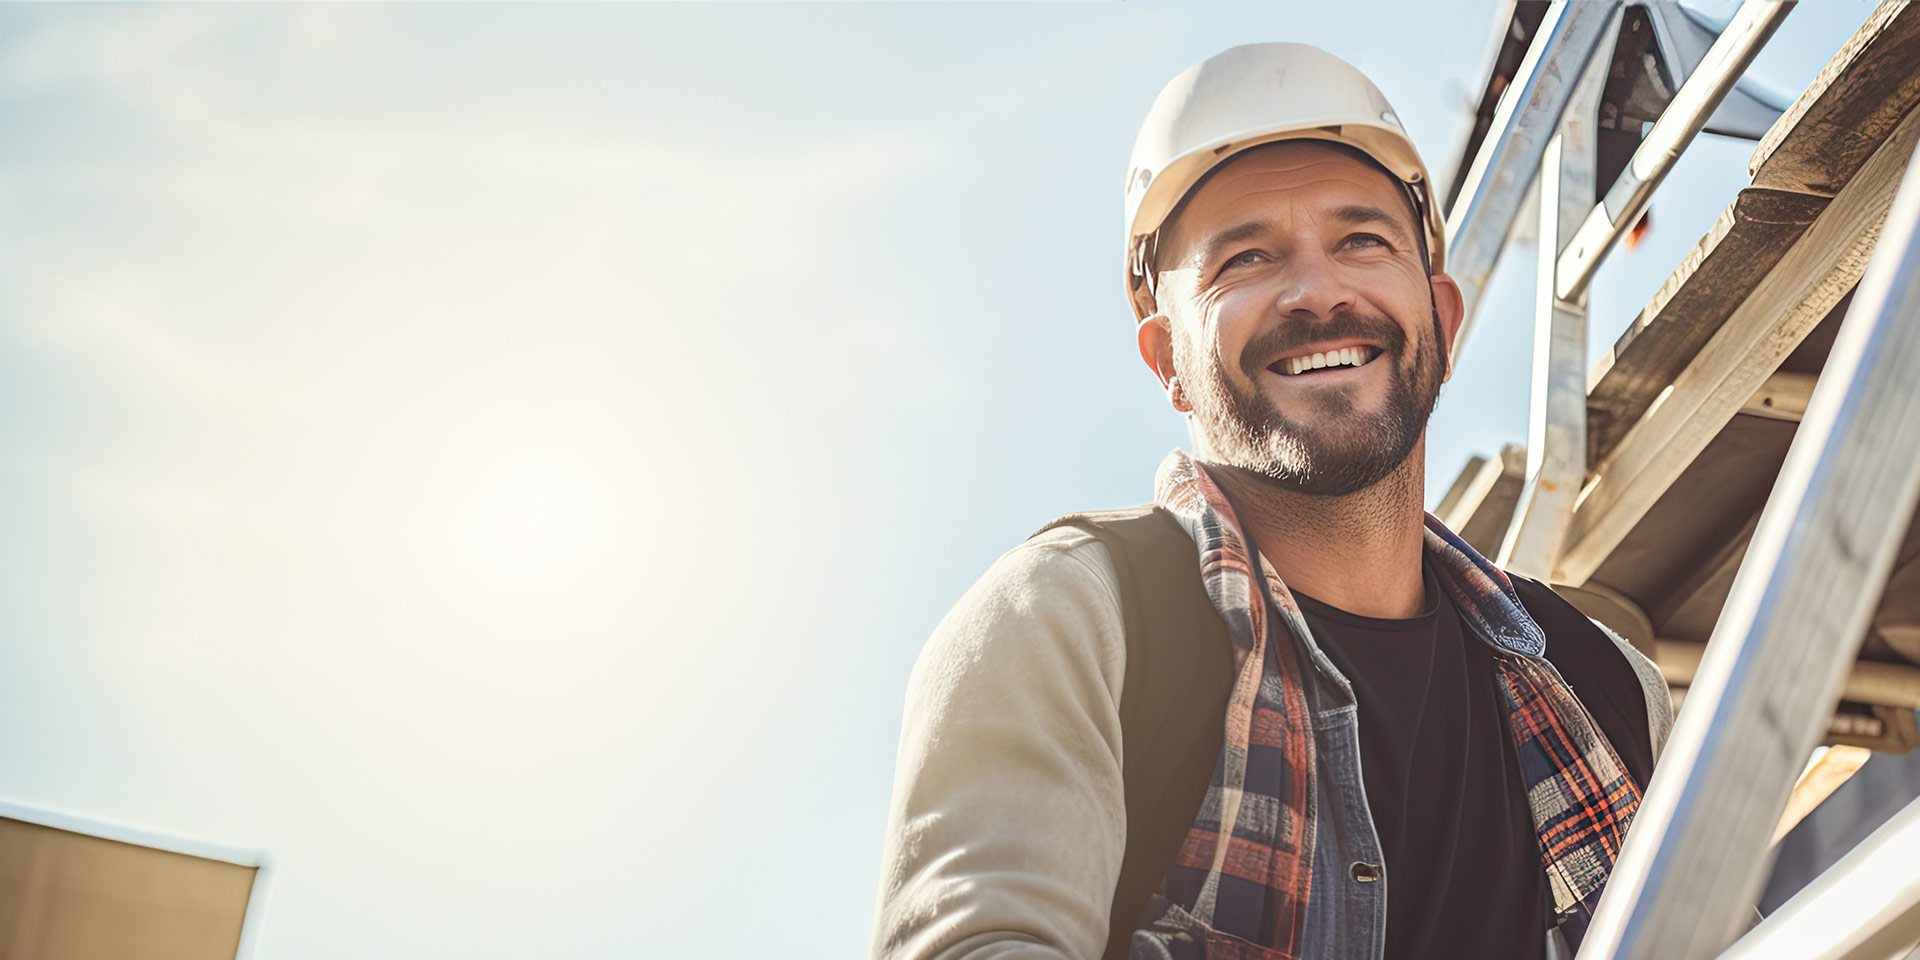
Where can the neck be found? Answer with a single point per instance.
(1359, 553)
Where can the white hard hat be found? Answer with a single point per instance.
(1246, 96)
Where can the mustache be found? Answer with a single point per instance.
(1288, 338)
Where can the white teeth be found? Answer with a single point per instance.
(1343, 357)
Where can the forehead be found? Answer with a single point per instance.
(1278, 180)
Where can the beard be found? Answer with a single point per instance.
(1328, 447)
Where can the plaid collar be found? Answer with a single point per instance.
(1245, 869)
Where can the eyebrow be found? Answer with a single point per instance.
(1356, 214)
(1231, 236)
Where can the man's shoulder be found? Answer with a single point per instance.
(1064, 554)
(1080, 542)
(1043, 623)
(1054, 588)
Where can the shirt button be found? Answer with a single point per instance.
(1363, 872)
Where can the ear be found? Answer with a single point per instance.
(1452, 309)
(1155, 336)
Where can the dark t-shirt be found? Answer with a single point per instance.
(1463, 866)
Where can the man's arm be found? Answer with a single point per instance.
(1008, 824)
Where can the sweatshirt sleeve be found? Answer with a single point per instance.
(1008, 825)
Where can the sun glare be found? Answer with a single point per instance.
(533, 534)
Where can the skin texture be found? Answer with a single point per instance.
(1291, 248)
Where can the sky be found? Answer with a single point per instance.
(503, 460)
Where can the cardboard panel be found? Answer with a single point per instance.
(70, 896)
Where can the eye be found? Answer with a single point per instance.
(1242, 259)
(1367, 240)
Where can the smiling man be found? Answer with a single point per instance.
(1229, 723)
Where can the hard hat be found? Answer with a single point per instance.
(1246, 96)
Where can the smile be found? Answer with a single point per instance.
(1358, 356)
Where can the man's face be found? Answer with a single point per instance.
(1302, 325)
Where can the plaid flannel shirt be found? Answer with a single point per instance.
(1243, 880)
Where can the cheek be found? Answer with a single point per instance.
(1232, 318)
(1408, 294)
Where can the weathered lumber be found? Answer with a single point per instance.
(1789, 301)
(1849, 109)
(1480, 503)
(1747, 240)
(1817, 146)
(1783, 397)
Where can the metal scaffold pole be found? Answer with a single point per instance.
(1698, 852)
(1866, 907)
(1575, 236)
(1557, 409)
(1528, 116)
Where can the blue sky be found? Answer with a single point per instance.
(504, 459)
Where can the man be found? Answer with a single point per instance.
(1357, 702)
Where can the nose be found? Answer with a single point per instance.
(1314, 288)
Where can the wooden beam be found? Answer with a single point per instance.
(1783, 397)
(1711, 578)
(1468, 489)
(1836, 123)
(1818, 145)
(1795, 295)
(1883, 684)
(1835, 767)
(1721, 271)
(1486, 501)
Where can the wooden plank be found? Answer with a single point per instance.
(1819, 144)
(1849, 109)
(1483, 521)
(1726, 265)
(1709, 583)
(1708, 506)
(1795, 295)
(1783, 397)
(1867, 681)
(1822, 778)
(1468, 489)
